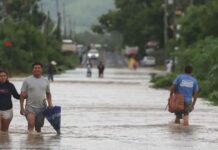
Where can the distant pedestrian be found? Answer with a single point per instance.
(89, 68)
(100, 70)
(7, 89)
(169, 66)
(132, 64)
(36, 91)
(51, 70)
(186, 85)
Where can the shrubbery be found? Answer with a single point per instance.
(213, 97)
(163, 81)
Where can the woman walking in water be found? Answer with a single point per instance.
(7, 89)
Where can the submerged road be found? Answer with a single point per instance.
(118, 112)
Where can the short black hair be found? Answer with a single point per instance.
(37, 63)
(4, 71)
(188, 69)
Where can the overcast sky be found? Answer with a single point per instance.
(83, 13)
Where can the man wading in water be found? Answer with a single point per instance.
(36, 90)
(186, 85)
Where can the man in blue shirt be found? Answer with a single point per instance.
(186, 85)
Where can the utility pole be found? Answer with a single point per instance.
(70, 27)
(58, 32)
(57, 6)
(171, 5)
(47, 23)
(165, 23)
(174, 33)
(64, 19)
(166, 14)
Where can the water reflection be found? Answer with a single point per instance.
(40, 141)
(5, 140)
(35, 139)
(179, 128)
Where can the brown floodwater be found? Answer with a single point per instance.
(118, 112)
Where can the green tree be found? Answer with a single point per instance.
(29, 30)
(137, 20)
(199, 22)
(203, 55)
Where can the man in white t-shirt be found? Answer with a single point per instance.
(36, 91)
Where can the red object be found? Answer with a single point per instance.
(8, 44)
(176, 103)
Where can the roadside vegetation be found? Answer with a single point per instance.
(198, 47)
(140, 21)
(27, 35)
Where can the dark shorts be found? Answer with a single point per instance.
(39, 122)
(187, 110)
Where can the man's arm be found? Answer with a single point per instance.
(172, 90)
(14, 92)
(23, 95)
(48, 97)
(195, 96)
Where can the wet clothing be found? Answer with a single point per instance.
(186, 85)
(6, 90)
(6, 114)
(187, 110)
(39, 122)
(36, 89)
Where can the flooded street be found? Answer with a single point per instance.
(118, 112)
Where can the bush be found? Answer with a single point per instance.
(205, 88)
(71, 61)
(163, 81)
(213, 97)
